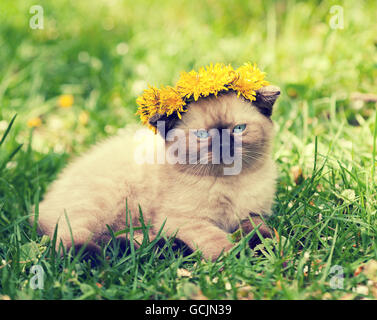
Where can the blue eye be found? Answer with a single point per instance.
(239, 128)
(202, 134)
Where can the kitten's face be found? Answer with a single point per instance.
(218, 133)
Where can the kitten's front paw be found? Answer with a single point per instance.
(247, 227)
(211, 251)
(81, 238)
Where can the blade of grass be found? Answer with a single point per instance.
(8, 129)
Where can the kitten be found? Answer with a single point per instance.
(198, 202)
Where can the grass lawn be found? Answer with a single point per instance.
(75, 82)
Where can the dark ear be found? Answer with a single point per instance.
(163, 123)
(266, 98)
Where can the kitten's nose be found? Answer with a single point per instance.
(226, 146)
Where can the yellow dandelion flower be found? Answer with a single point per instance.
(209, 80)
(218, 77)
(149, 104)
(190, 84)
(171, 101)
(249, 79)
(65, 101)
(34, 122)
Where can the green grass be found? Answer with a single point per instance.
(105, 52)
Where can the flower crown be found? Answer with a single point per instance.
(191, 86)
